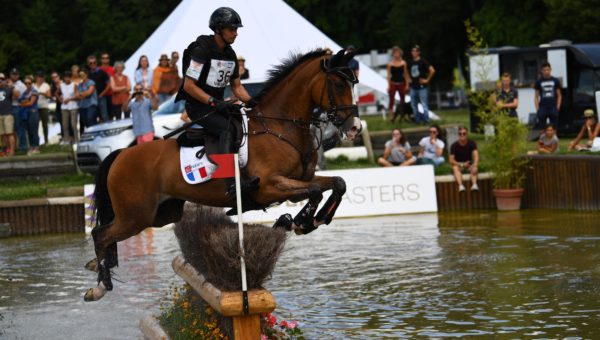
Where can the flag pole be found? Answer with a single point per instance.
(238, 197)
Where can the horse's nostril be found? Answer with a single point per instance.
(353, 129)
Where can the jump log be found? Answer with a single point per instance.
(245, 327)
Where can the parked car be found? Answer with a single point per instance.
(100, 140)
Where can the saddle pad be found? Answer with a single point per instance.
(198, 170)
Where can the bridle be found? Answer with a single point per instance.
(347, 74)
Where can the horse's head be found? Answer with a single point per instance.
(335, 94)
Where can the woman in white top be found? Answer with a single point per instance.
(142, 74)
(432, 147)
(68, 98)
(43, 89)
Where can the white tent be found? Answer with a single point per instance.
(272, 30)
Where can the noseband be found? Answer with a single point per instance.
(332, 111)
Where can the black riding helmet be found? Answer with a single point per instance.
(224, 17)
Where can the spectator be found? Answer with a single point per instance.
(29, 115)
(55, 93)
(431, 148)
(120, 86)
(141, 113)
(244, 72)
(591, 127)
(548, 142)
(88, 101)
(101, 81)
(68, 98)
(507, 98)
(105, 64)
(162, 85)
(75, 74)
(397, 151)
(421, 73)
(142, 73)
(43, 90)
(173, 62)
(18, 88)
(353, 63)
(464, 157)
(7, 119)
(396, 77)
(548, 96)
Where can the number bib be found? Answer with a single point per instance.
(219, 73)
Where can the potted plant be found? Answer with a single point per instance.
(507, 149)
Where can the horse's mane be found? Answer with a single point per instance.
(281, 71)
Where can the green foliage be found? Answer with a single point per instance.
(506, 151)
(53, 35)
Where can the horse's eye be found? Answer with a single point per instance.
(339, 86)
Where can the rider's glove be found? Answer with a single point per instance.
(251, 103)
(222, 106)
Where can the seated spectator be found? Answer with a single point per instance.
(141, 105)
(548, 142)
(464, 157)
(397, 151)
(591, 127)
(432, 147)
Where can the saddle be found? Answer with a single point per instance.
(197, 136)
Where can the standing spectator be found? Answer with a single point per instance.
(396, 77)
(548, 96)
(142, 73)
(432, 147)
(141, 113)
(397, 151)
(161, 85)
(548, 142)
(18, 88)
(7, 120)
(55, 93)
(244, 72)
(88, 101)
(120, 85)
(590, 127)
(464, 157)
(68, 98)
(101, 81)
(75, 74)
(29, 115)
(110, 71)
(507, 98)
(353, 63)
(43, 90)
(173, 62)
(421, 73)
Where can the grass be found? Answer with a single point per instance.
(18, 189)
(454, 117)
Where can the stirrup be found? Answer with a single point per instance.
(246, 185)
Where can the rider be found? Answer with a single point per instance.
(209, 65)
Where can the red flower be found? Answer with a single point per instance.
(284, 324)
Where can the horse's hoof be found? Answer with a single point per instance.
(303, 230)
(285, 222)
(95, 294)
(92, 265)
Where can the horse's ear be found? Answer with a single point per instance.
(338, 59)
(348, 56)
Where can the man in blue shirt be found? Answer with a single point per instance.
(548, 96)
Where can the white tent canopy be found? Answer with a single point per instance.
(272, 30)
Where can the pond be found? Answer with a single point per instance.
(533, 273)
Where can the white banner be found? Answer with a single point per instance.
(371, 192)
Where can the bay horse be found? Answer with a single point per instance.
(142, 186)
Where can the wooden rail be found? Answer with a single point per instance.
(245, 327)
(449, 198)
(43, 215)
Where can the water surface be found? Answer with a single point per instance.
(529, 274)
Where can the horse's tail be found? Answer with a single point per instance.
(103, 206)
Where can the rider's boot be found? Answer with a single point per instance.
(246, 184)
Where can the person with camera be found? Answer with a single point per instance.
(141, 104)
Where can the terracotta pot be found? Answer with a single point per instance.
(508, 199)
